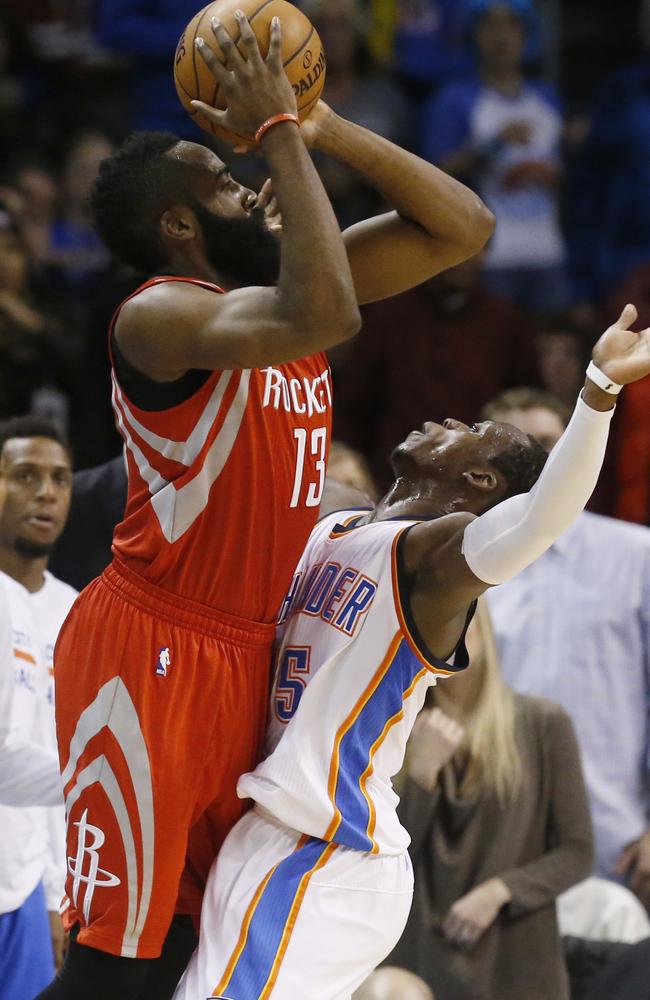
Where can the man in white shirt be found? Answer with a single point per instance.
(36, 471)
(575, 627)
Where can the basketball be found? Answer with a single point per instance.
(303, 57)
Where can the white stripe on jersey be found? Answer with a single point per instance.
(183, 452)
(350, 681)
(177, 508)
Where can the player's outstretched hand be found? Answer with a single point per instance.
(622, 354)
(254, 88)
(434, 740)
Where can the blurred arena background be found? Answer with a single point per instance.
(77, 75)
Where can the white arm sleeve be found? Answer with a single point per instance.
(510, 536)
(29, 773)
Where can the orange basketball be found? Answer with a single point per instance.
(302, 55)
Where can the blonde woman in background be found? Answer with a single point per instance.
(494, 800)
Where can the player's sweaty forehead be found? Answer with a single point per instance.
(195, 155)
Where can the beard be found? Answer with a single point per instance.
(32, 550)
(242, 250)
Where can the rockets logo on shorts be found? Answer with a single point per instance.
(76, 865)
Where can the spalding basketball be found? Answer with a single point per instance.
(303, 57)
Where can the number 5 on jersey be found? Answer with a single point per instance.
(293, 674)
(317, 446)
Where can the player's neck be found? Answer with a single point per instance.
(407, 498)
(194, 267)
(26, 570)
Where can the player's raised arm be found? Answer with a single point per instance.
(474, 553)
(312, 306)
(437, 222)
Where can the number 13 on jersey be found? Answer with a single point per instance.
(304, 455)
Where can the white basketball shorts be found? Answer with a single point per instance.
(290, 917)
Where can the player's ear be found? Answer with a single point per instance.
(483, 479)
(178, 223)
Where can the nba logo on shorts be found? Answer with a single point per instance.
(164, 661)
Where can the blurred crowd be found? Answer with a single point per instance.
(489, 91)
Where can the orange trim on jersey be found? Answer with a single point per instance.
(291, 921)
(372, 819)
(344, 524)
(347, 724)
(434, 667)
(245, 927)
(20, 655)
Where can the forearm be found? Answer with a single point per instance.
(315, 285)
(539, 883)
(419, 191)
(510, 536)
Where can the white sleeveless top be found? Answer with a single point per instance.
(351, 676)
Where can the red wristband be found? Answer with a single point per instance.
(275, 120)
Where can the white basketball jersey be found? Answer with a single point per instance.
(351, 677)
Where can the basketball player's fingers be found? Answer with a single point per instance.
(274, 57)
(265, 193)
(248, 38)
(232, 57)
(628, 316)
(216, 67)
(241, 150)
(213, 114)
(272, 209)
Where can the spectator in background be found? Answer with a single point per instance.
(26, 947)
(632, 427)
(608, 206)
(424, 40)
(576, 627)
(35, 466)
(562, 357)
(14, 59)
(147, 34)
(461, 345)
(347, 466)
(501, 133)
(38, 195)
(83, 551)
(360, 92)
(495, 804)
(389, 983)
(32, 348)
(75, 250)
(29, 773)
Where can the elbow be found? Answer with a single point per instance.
(352, 323)
(480, 226)
(340, 324)
(580, 858)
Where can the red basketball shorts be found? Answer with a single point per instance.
(160, 706)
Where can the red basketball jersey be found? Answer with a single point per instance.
(224, 488)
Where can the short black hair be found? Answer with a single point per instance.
(30, 427)
(132, 190)
(521, 464)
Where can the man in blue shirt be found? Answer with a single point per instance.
(501, 133)
(575, 627)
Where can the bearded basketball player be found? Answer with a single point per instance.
(222, 393)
